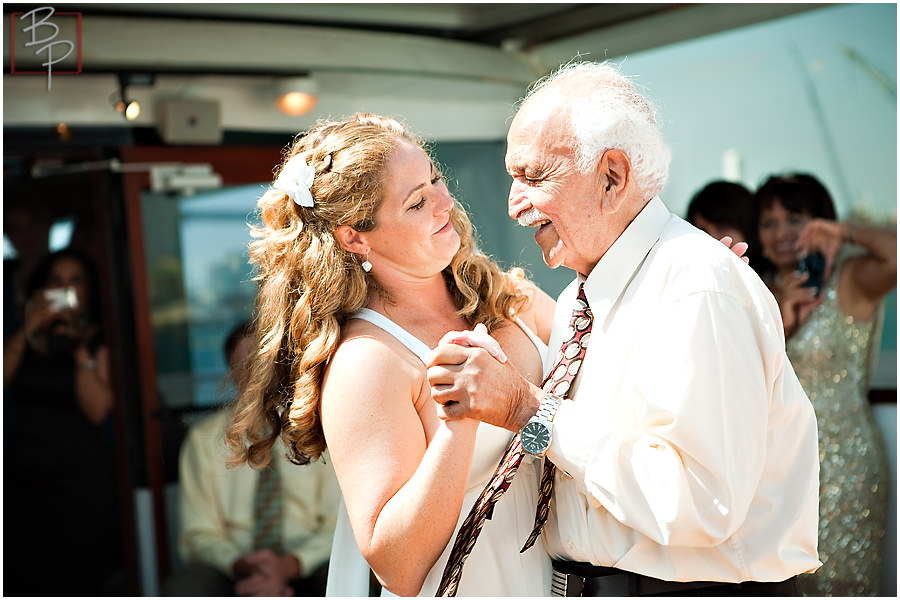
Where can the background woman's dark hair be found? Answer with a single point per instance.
(798, 193)
(40, 275)
(729, 204)
(724, 203)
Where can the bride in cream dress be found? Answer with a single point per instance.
(364, 262)
(495, 566)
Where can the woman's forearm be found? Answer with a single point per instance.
(875, 273)
(415, 525)
(92, 389)
(881, 243)
(13, 351)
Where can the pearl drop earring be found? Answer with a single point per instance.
(367, 266)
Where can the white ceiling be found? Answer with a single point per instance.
(453, 69)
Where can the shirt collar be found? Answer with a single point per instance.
(608, 279)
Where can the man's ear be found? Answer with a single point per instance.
(351, 240)
(614, 178)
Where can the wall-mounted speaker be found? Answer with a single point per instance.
(189, 121)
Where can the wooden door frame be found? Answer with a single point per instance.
(237, 166)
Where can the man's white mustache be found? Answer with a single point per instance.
(531, 217)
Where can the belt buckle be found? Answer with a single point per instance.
(574, 585)
(566, 584)
(620, 584)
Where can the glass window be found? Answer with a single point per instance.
(201, 287)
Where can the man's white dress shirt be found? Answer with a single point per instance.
(689, 452)
(216, 502)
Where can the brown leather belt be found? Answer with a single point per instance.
(583, 579)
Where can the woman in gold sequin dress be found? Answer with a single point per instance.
(832, 333)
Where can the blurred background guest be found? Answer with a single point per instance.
(246, 532)
(833, 331)
(60, 509)
(724, 208)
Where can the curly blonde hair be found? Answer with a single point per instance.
(309, 285)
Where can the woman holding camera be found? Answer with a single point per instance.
(832, 308)
(61, 320)
(59, 498)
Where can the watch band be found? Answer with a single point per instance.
(537, 434)
(547, 409)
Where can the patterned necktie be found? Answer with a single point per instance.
(267, 510)
(558, 381)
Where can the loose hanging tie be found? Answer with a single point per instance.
(267, 510)
(558, 381)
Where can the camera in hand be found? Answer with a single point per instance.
(60, 299)
(813, 265)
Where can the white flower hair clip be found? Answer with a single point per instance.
(295, 180)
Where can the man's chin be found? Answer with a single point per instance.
(550, 244)
(552, 259)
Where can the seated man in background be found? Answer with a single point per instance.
(227, 549)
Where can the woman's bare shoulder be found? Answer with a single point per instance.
(538, 313)
(367, 356)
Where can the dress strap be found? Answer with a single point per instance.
(538, 342)
(415, 345)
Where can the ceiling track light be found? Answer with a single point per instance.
(297, 95)
(130, 108)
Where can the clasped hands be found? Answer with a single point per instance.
(265, 573)
(471, 377)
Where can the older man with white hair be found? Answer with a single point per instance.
(685, 450)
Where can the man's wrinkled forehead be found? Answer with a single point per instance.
(544, 124)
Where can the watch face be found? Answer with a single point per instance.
(535, 437)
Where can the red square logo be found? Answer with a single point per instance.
(45, 42)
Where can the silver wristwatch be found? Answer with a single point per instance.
(538, 431)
